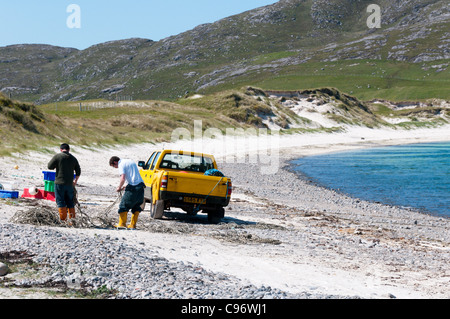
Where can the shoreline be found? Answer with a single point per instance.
(305, 178)
(368, 138)
(310, 180)
(290, 166)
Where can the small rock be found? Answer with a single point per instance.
(3, 269)
(102, 273)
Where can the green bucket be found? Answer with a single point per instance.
(49, 186)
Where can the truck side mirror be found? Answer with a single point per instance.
(141, 164)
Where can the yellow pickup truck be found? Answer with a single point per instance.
(185, 180)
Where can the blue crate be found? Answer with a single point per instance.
(9, 194)
(49, 176)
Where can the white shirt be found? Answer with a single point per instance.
(129, 168)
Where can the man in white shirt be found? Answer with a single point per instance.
(133, 197)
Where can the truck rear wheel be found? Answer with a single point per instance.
(215, 216)
(157, 210)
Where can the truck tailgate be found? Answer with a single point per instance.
(197, 184)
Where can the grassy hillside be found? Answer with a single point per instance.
(98, 123)
(365, 79)
(22, 126)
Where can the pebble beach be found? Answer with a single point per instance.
(283, 237)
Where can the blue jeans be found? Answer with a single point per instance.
(64, 196)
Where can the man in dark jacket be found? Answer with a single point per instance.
(65, 164)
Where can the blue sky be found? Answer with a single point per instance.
(45, 22)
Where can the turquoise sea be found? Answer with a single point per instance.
(415, 175)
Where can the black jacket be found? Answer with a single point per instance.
(66, 164)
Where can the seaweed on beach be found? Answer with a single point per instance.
(15, 257)
(243, 238)
(48, 216)
(40, 214)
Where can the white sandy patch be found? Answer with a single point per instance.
(312, 111)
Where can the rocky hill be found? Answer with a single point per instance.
(248, 48)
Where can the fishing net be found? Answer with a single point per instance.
(40, 214)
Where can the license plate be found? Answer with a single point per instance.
(192, 200)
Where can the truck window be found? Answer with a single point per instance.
(156, 159)
(187, 162)
(149, 162)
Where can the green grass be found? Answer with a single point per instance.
(264, 58)
(91, 127)
(364, 79)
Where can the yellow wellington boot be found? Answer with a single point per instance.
(62, 213)
(134, 219)
(71, 213)
(122, 220)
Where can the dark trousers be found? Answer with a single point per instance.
(64, 196)
(132, 198)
